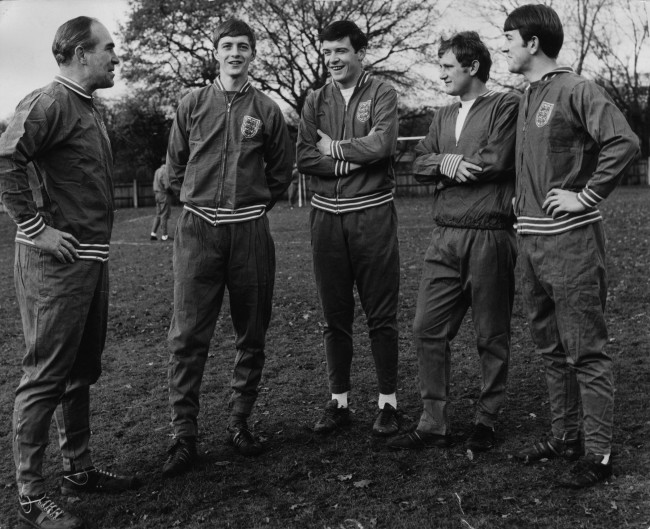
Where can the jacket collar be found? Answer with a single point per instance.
(243, 89)
(557, 71)
(75, 87)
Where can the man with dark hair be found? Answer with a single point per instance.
(346, 140)
(469, 154)
(230, 156)
(573, 146)
(61, 265)
(163, 195)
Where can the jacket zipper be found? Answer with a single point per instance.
(225, 153)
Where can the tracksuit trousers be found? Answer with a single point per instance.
(358, 247)
(64, 309)
(207, 260)
(464, 268)
(564, 283)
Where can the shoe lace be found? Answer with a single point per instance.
(50, 508)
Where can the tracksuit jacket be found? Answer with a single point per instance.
(232, 154)
(577, 141)
(487, 140)
(372, 107)
(58, 136)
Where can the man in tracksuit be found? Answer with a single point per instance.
(56, 181)
(573, 146)
(230, 149)
(162, 194)
(469, 155)
(346, 140)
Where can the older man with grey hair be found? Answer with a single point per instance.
(61, 265)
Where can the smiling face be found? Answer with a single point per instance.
(100, 60)
(234, 55)
(516, 51)
(343, 63)
(457, 78)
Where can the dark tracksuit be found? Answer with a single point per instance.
(570, 136)
(353, 221)
(231, 157)
(58, 136)
(471, 258)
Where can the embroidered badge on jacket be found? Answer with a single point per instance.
(543, 114)
(250, 126)
(363, 111)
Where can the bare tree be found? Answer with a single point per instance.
(169, 45)
(619, 54)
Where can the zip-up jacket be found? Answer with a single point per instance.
(487, 139)
(56, 168)
(364, 132)
(570, 135)
(229, 154)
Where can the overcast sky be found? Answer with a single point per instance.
(27, 28)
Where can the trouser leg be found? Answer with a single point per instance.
(580, 295)
(491, 265)
(441, 306)
(200, 253)
(54, 300)
(335, 283)
(250, 280)
(73, 412)
(164, 215)
(540, 308)
(374, 255)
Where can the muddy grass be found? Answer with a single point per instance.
(348, 480)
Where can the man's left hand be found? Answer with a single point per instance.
(561, 201)
(324, 144)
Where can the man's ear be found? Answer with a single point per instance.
(474, 67)
(361, 53)
(533, 45)
(80, 55)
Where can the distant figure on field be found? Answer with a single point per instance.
(469, 152)
(61, 266)
(294, 187)
(163, 194)
(573, 147)
(241, 158)
(346, 141)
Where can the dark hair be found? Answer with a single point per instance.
(538, 20)
(468, 47)
(345, 28)
(73, 33)
(234, 28)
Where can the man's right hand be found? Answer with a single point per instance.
(464, 172)
(60, 244)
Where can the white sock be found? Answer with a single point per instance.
(605, 459)
(342, 398)
(153, 234)
(387, 399)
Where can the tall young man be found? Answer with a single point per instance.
(230, 149)
(573, 146)
(346, 140)
(469, 155)
(61, 265)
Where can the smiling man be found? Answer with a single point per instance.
(56, 182)
(573, 147)
(469, 155)
(230, 156)
(346, 140)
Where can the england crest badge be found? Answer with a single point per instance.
(543, 114)
(363, 111)
(250, 126)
